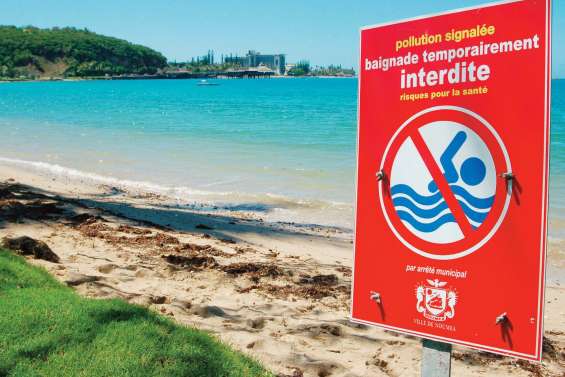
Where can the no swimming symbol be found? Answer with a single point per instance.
(444, 198)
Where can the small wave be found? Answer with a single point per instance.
(478, 210)
(423, 206)
(58, 170)
(431, 206)
(478, 203)
(280, 207)
(425, 227)
(415, 208)
(401, 202)
(481, 203)
(478, 217)
(420, 199)
(418, 211)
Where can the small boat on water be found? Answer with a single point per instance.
(207, 83)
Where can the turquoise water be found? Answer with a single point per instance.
(284, 148)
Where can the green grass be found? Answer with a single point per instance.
(46, 329)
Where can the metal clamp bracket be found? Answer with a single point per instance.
(507, 175)
(376, 296)
(501, 318)
(380, 175)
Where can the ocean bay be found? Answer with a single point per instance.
(284, 148)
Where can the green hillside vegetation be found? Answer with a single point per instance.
(49, 330)
(29, 52)
(333, 70)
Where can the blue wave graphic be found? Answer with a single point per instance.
(420, 199)
(429, 213)
(418, 211)
(409, 207)
(425, 227)
(481, 203)
(478, 217)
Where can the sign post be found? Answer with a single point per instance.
(436, 359)
(452, 179)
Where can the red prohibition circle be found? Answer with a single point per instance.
(473, 238)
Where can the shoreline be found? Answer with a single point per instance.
(161, 210)
(170, 76)
(298, 212)
(213, 202)
(277, 292)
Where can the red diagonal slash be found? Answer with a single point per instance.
(442, 184)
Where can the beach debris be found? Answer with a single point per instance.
(313, 292)
(159, 300)
(132, 230)
(478, 358)
(192, 247)
(346, 271)
(112, 190)
(297, 372)
(39, 209)
(94, 229)
(85, 218)
(203, 226)
(206, 311)
(28, 246)
(192, 262)
(379, 363)
(256, 323)
(552, 351)
(534, 368)
(324, 280)
(245, 249)
(106, 268)
(75, 279)
(160, 239)
(112, 235)
(6, 193)
(253, 269)
(228, 241)
(317, 330)
(325, 370)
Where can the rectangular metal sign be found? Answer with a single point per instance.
(452, 176)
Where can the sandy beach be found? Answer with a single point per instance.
(276, 291)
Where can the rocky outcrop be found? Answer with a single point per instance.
(28, 246)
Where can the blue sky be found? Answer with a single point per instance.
(322, 31)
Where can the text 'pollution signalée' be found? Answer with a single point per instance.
(452, 177)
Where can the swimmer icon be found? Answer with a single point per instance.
(473, 169)
(444, 198)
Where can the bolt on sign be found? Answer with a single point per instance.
(452, 176)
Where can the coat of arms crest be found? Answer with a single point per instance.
(435, 301)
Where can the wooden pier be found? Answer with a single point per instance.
(239, 74)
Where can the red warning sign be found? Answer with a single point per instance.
(452, 177)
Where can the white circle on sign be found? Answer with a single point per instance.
(469, 170)
(432, 203)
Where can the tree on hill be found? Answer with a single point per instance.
(301, 68)
(30, 52)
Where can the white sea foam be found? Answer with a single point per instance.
(273, 207)
(93, 178)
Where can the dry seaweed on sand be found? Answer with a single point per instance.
(191, 262)
(253, 269)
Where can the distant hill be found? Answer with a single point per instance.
(29, 52)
